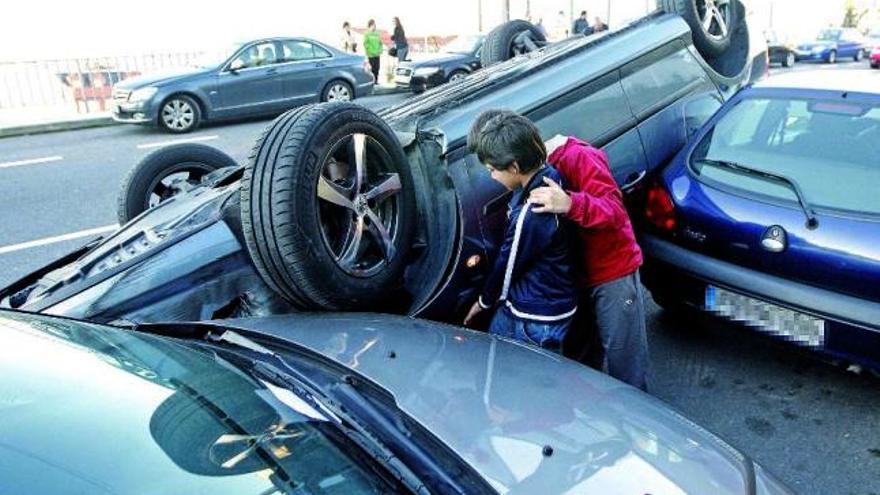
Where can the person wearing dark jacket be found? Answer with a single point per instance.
(581, 25)
(532, 282)
(399, 39)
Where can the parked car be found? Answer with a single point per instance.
(265, 76)
(780, 52)
(458, 59)
(389, 212)
(873, 44)
(344, 404)
(770, 215)
(832, 45)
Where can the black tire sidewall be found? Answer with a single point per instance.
(197, 114)
(138, 184)
(497, 44)
(319, 283)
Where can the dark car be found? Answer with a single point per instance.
(348, 404)
(341, 209)
(780, 52)
(458, 59)
(259, 77)
(770, 216)
(832, 45)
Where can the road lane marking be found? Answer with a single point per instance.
(175, 141)
(32, 161)
(57, 238)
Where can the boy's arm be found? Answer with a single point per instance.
(525, 239)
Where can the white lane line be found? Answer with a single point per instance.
(32, 161)
(57, 238)
(175, 141)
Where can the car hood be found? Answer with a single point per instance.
(153, 79)
(443, 59)
(87, 409)
(527, 420)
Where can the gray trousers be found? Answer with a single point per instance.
(610, 330)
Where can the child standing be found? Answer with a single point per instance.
(532, 281)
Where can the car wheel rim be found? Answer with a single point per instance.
(715, 17)
(458, 76)
(178, 181)
(178, 115)
(339, 92)
(832, 57)
(358, 206)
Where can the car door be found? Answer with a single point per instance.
(249, 82)
(304, 69)
(671, 96)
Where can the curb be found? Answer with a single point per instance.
(66, 125)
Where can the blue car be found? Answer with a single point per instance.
(459, 58)
(266, 76)
(832, 45)
(770, 216)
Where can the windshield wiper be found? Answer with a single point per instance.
(812, 221)
(357, 411)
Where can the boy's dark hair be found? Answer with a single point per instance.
(345, 24)
(474, 132)
(509, 138)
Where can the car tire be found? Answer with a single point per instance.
(180, 114)
(324, 232)
(509, 40)
(789, 60)
(832, 57)
(711, 42)
(337, 90)
(164, 173)
(188, 430)
(457, 75)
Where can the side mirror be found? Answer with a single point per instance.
(236, 65)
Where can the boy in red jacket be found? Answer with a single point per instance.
(610, 256)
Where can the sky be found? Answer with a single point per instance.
(42, 29)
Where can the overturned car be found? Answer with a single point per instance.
(339, 208)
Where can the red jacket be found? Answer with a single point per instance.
(608, 244)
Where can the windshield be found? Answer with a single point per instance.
(189, 418)
(213, 58)
(829, 35)
(463, 44)
(828, 147)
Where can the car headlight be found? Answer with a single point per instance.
(426, 71)
(142, 94)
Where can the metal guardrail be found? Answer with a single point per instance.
(83, 84)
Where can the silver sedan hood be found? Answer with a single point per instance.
(527, 420)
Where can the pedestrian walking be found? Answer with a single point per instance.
(399, 40)
(373, 48)
(348, 42)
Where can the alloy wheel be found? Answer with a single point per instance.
(178, 115)
(714, 17)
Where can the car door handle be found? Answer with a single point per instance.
(272, 71)
(320, 64)
(633, 180)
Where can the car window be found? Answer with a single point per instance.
(302, 50)
(257, 55)
(828, 147)
(594, 112)
(661, 77)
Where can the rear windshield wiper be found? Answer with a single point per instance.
(812, 221)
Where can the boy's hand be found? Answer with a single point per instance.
(550, 198)
(474, 311)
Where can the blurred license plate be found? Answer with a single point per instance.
(766, 317)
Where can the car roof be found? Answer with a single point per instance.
(826, 80)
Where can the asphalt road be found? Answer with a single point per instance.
(812, 423)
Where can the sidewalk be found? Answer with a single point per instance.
(38, 120)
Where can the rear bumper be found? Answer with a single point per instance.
(852, 324)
